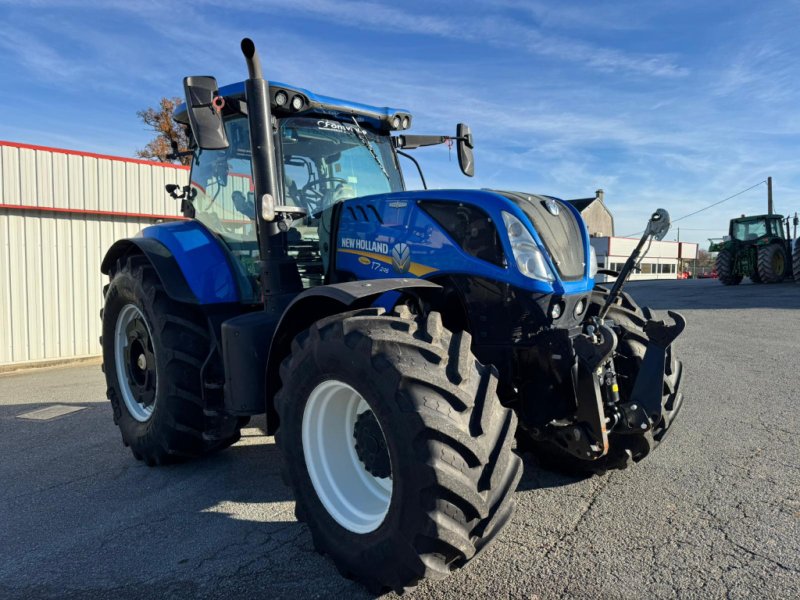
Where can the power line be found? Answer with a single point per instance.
(710, 229)
(707, 207)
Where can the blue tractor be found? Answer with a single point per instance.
(394, 339)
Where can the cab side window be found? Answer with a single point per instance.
(223, 198)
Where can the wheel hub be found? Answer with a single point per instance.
(135, 363)
(371, 446)
(777, 263)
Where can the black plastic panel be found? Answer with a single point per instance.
(245, 347)
(470, 227)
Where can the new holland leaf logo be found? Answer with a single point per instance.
(401, 257)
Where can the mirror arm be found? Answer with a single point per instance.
(411, 142)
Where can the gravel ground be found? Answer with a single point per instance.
(715, 512)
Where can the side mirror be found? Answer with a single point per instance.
(204, 107)
(172, 190)
(465, 145)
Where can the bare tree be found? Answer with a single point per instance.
(166, 129)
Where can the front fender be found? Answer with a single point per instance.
(317, 303)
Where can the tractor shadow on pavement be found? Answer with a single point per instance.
(536, 477)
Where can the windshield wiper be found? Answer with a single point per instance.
(363, 139)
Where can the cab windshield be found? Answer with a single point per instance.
(748, 230)
(327, 161)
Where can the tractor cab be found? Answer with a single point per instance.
(755, 228)
(326, 150)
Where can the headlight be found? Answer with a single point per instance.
(530, 260)
(592, 261)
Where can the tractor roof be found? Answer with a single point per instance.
(757, 217)
(381, 118)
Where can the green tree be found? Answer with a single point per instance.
(167, 130)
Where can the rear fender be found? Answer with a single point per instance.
(192, 264)
(164, 263)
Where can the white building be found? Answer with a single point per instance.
(663, 260)
(60, 210)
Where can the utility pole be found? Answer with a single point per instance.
(769, 195)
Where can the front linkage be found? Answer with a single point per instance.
(622, 376)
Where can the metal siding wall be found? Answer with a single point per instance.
(50, 280)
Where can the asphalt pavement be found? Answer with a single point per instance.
(713, 513)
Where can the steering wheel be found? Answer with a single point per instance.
(313, 194)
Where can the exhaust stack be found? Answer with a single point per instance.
(279, 282)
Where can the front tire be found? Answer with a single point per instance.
(153, 351)
(417, 474)
(725, 268)
(796, 261)
(772, 261)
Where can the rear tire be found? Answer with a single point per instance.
(796, 261)
(447, 441)
(725, 268)
(772, 261)
(754, 276)
(153, 350)
(624, 450)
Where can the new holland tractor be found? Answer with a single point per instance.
(394, 339)
(757, 247)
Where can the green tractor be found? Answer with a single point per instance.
(796, 260)
(756, 247)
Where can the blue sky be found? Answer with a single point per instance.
(673, 103)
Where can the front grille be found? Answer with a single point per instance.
(560, 234)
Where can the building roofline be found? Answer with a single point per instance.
(138, 161)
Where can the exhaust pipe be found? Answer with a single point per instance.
(252, 58)
(259, 116)
(277, 286)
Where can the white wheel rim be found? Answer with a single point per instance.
(355, 498)
(129, 313)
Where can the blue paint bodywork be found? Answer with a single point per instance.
(432, 248)
(201, 258)
(432, 252)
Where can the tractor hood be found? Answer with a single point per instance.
(432, 233)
